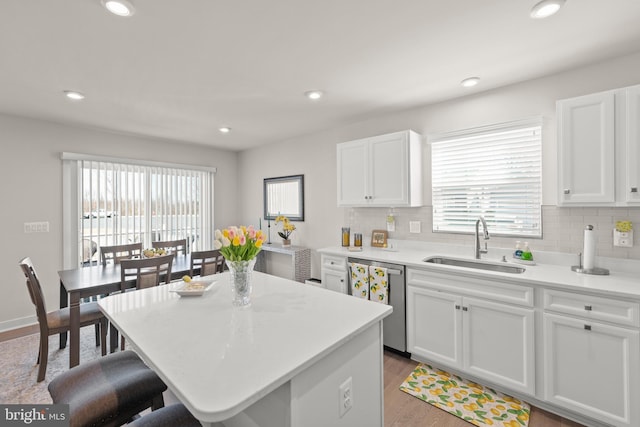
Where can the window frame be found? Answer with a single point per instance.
(466, 220)
(72, 204)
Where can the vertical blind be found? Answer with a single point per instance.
(122, 203)
(494, 172)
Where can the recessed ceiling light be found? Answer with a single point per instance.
(224, 130)
(119, 7)
(314, 94)
(72, 94)
(546, 8)
(470, 82)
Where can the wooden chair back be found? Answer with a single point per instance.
(147, 272)
(58, 321)
(172, 246)
(118, 253)
(35, 293)
(208, 262)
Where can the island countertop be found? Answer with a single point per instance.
(219, 359)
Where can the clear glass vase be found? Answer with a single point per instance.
(240, 277)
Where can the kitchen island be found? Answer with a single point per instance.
(298, 356)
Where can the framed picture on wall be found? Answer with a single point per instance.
(379, 238)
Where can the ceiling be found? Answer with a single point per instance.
(181, 69)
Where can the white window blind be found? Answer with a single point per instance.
(494, 172)
(120, 203)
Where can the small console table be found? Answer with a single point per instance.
(300, 260)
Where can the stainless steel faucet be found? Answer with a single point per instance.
(479, 251)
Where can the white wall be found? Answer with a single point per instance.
(315, 155)
(31, 190)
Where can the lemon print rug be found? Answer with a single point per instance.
(474, 403)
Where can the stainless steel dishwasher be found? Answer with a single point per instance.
(394, 325)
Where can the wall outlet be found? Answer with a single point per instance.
(345, 399)
(414, 226)
(36, 227)
(623, 239)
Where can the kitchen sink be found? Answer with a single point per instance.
(477, 264)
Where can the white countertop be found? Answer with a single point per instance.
(219, 359)
(551, 269)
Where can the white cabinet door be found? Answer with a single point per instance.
(334, 280)
(586, 138)
(498, 343)
(389, 170)
(592, 368)
(631, 187)
(353, 169)
(434, 325)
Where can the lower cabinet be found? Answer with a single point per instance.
(489, 339)
(334, 273)
(592, 367)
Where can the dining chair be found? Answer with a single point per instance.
(146, 273)
(108, 391)
(207, 262)
(172, 246)
(169, 416)
(119, 252)
(55, 322)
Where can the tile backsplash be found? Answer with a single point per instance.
(562, 228)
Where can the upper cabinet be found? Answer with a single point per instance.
(631, 190)
(383, 170)
(598, 149)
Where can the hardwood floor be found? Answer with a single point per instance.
(403, 410)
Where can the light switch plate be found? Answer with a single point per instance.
(414, 226)
(36, 227)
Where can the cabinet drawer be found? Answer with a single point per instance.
(498, 290)
(334, 262)
(592, 307)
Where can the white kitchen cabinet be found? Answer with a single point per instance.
(599, 149)
(483, 336)
(383, 170)
(592, 368)
(334, 273)
(631, 189)
(434, 325)
(586, 137)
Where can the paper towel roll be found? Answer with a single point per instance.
(589, 251)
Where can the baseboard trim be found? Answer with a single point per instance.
(16, 328)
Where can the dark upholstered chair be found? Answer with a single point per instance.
(108, 391)
(175, 247)
(119, 252)
(169, 416)
(58, 321)
(207, 262)
(146, 272)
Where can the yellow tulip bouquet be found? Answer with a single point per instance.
(239, 243)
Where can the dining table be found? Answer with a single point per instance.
(297, 356)
(92, 281)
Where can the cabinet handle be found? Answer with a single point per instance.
(457, 307)
(341, 280)
(331, 262)
(567, 191)
(587, 327)
(465, 308)
(634, 189)
(588, 307)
